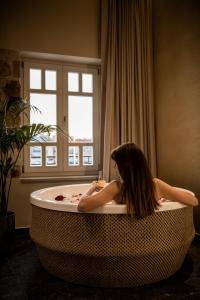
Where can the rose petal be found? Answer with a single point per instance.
(59, 197)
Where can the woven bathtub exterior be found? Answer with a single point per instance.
(112, 250)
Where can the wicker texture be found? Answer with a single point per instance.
(112, 250)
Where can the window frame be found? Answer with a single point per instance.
(95, 113)
(62, 168)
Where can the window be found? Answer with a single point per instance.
(67, 96)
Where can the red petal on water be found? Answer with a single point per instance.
(59, 197)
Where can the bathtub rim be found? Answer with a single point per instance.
(36, 199)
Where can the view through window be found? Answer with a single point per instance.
(66, 96)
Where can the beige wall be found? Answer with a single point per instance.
(69, 27)
(177, 92)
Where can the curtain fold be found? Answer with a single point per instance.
(127, 78)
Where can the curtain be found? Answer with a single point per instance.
(127, 78)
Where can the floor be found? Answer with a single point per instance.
(23, 278)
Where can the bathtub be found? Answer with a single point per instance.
(105, 247)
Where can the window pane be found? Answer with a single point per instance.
(73, 156)
(88, 155)
(80, 119)
(51, 156)
(35, 79)
(46, 103)
(36, 156)
(50, 80)
(73, 82)
(87, 83)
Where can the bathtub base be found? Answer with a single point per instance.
(112, 250)
(109, 272)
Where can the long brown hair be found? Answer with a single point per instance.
(138, 190)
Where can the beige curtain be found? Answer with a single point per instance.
(127, 78)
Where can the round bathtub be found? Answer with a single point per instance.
(105, 247)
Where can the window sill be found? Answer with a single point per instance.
(67, 179)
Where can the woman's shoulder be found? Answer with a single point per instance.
(112, 188)
(116, 190)
(158, 193)
(115, 184)
(161, 184)
(156, 180)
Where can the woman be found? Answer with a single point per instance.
(136, 188)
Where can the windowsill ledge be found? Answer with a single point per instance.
(64, 179)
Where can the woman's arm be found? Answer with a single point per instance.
(172, 193)
(90, 201)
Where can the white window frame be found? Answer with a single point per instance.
(62, 168)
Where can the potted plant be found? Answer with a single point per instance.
(13, 137)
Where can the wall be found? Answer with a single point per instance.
(69, 27)
(177, 92)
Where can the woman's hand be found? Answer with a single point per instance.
(97, 186)
(91, 200)
(94, 187)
